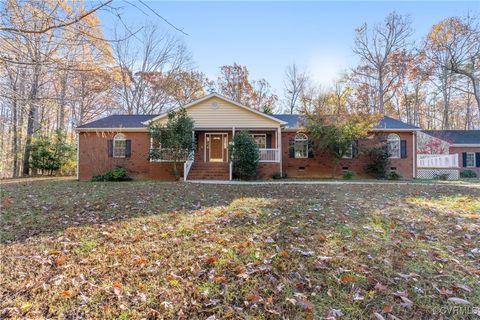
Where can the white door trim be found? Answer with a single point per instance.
(210, 149)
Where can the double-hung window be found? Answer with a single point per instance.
(119, 146)
(301, 146)
(393, 145)
(470, 161)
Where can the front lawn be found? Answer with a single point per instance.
(184, 251)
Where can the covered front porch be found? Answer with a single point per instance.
(211, 158)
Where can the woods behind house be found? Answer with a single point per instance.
(59, 70)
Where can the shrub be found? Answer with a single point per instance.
(278, 175)
(69, 168)
(348, 175)
(468, 174)
(245, 156)
(116, 174)
(393, 175)
(440, 176)
(378, 163)
(50, 154)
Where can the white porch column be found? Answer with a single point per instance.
(193, 140)
(279, 148)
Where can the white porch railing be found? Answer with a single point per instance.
(437, 161)
(187, 165)
(269, 155)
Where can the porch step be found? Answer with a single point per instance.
(209, 171)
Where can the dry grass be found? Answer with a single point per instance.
(182, 251)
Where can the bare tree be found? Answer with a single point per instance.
(294, 86)
(152, 53)
(377, 50)
(460, 38)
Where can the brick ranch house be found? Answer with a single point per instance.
(464, 143)
(285, 147)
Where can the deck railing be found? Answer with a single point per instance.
(437, 161)
(187, 165)
(269, 155)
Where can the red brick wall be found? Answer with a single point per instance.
(94, 160)
(460, 150)
(321, 165)
(267, 169)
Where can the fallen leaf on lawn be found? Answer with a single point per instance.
(387, 308)
(347, 279)
(463, 287)
(140, 261)
(407, 303)
(252, 297)
(380, 287)
(458, 300)
(305, 304)
(60, 260)
(67, 293)
(378, 316)
(117, 285)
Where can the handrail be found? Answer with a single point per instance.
(269, 155)
(437, 161)
(187, 165)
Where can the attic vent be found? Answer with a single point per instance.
(214, 105)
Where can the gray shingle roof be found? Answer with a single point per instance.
(294, 121)
(456, 136)
(118, 121)
(391, 123)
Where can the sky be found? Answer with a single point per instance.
(268, 36)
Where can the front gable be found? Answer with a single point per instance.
(215, 111)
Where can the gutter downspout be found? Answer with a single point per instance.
(78, 156)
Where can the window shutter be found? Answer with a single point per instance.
(310, 149)
(269, 140)
(128, 148)
(477, 159)
(291, 148)
(464, 158)
(354, 148)
(110, 148)
(403, 146)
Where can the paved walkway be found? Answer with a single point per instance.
(336, 182)
(35, 179)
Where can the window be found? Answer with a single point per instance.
(348, 152)
(393, 145)
(301, 146)
(119, 146)
(470, 159)
(260, 139)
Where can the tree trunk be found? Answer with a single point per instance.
(381, 94)
(15, 133)
(31, 120)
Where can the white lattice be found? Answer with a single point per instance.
(443, 174)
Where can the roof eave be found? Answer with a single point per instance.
(143, 129)
(465, 145)
(394, 130)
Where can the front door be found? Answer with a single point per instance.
(216, 147)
